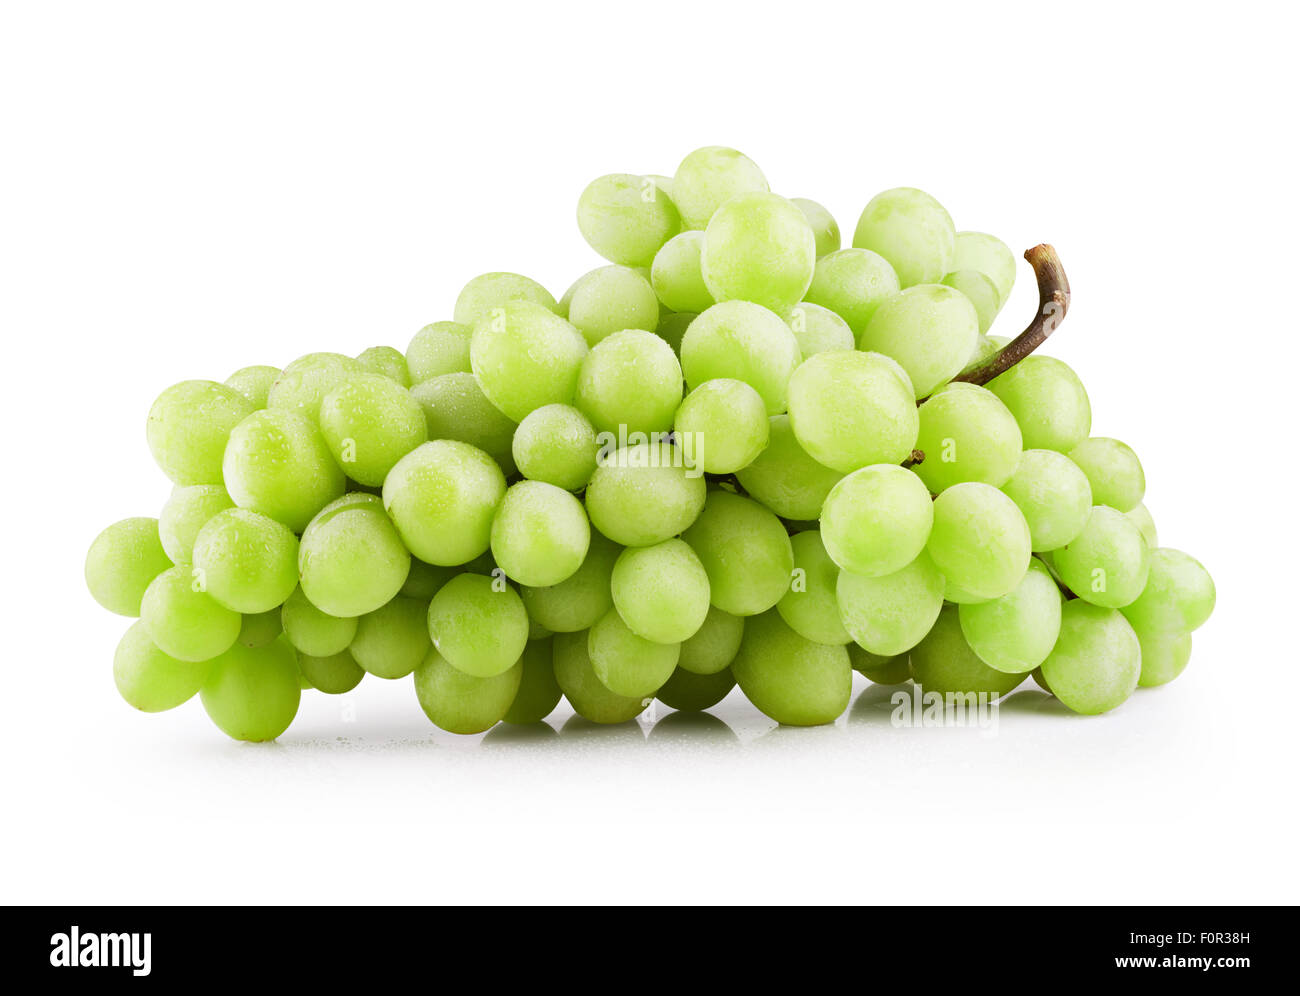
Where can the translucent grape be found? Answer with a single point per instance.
(1108, 562)
(351, 559)
(785, 478)
(612, 299)
(254, 383)
(455, 407)
(661, 591)
(333, 674)
(676, 277)
(945, 663)
(463, 703)
(890, 614)
(393, 639)
(980, 540)
(188, 428)
(1097, 659)
(525, 356)
(586, 693)
(150, 680)
(746, 342)
(442, 496)
(1179, 595)
(1016, 632)
(577, 602)
(626, 218)
(437, 349)
(1054, 496)
(122, 561)
(304, 383)
(538, 693)
(987, 255)
(758, 247)
(385, 361)
(186, 512)
(253, 694)
(1113, 470)
(745, 551)
(312, 631)
(478, 624)
(688, 691)
(930, 329)
(853, 283)
(556, 444)
(185, 621)
(912, 231)
(880, 670)
(788, 678)
(369, 423)
(966, 434)
(494, 290)
(247, 562)
(826, 231)
(710, 176)
(809, 607)
(1049, 402)
(630, 382)
(714, 645)
(819, 329)
(627, 664)
(644, 494)
(540, 534)
(876, 520)
(278, 464)
(1164, 656)
(259, 629)
(722, 426)
(982, 293)
(1139, 515)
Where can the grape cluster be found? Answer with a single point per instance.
(738, 454)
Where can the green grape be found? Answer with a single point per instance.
(577, 679)
(1097, 660)
(247, 562)
(369, 423)
(150, 680)
(966, 434)
(1054, 496)
(1139, 515)
(1164, 656)
(455, 407)
(876, 520)
(714, 645)
(986, 346)
(612, 299)
(826, 231)
(1048, 400)
(189, 426)
(540, 534)
(745, 551)
(464, 703)
(442, 496)
(1108, 563)
(912, 231)
(809, 607)
(688, 691)
(629, 382)
(424, 580)
(982, 293)
(643, 494)
(758, 247)
(261, 628)
(626, 218)
(393, 639)
(1113, 470)
(582, 598)
(980, 540)
(890, 614)
(880, 670)
(184, 620)
(385, 361)
(121, 563)
(277, 464)
(1179, 595)
(254, 383)
(538, 693)
(304, 383)
(785, 478)
(722, 426)
(853, 283)
(675, 274)
(945, 663)
(627, 664)
(556, 444)
(495, 290)
(746, 342)
(437, 349)
(851, 409)
(661, 591)
(525, 356)
(314, 632)
(930, 329)
(1039, 680)
(333, 674)
(351, 559)
(987, 255)
(186, 512)
(819, 330)
(1016, 632)
(536, 631)
(663, 183)
(709, 177)
(253, 694)
(479, 624)
(788, 678)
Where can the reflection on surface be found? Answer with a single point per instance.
(693, 728)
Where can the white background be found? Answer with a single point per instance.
(192, 188)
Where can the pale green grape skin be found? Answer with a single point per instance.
(1139, 515)
(819, 330)
(826, 231)
(758, 247)
(744, 341)
(628, 665)
(186, 512)
(851, 409)
(248, 562)
(150, 680)
(424, 580)
(879, 669)
(788, 678)
(556, 444)
(930, 329)
(672, 328)
(312, 631)
(369, 423)
(254, 383)
(745, 551)
(456, 408)
(980, 540)
(188, 427)
(709, 177)
(687, 691)
(577, 602)
(675, 274)
(442, 496)
(1108, 563)
(986, 346)
(278, 464)
(1164, 657)
(785, 478)
(122, 561)
(626, 218)
(1016, 632)
(661, 591)
(351, 559)
(1053, 494)
(876, 520)
(1178, 597)
(479, 625)
(945, 663)
(853, 283)
(538, 693)
(1048, 401)
(714, 645)
(982, 293)
(810, 609)
(184, 621)
(988, 255)
(1097, 659)
(584, 690)
(612, 299)
(253, 694)
(393, 639)
(333, 674)
(966, 434)
(1113, 470)
(385, 361)
(891, 614)
(495, 290)
(261, 628)
(304, 383)
(630, 382)
(540, 534)
(525, 356)
(722, 426)
(463, 703)
(644, 494)
(912, 231)
(438, 348)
